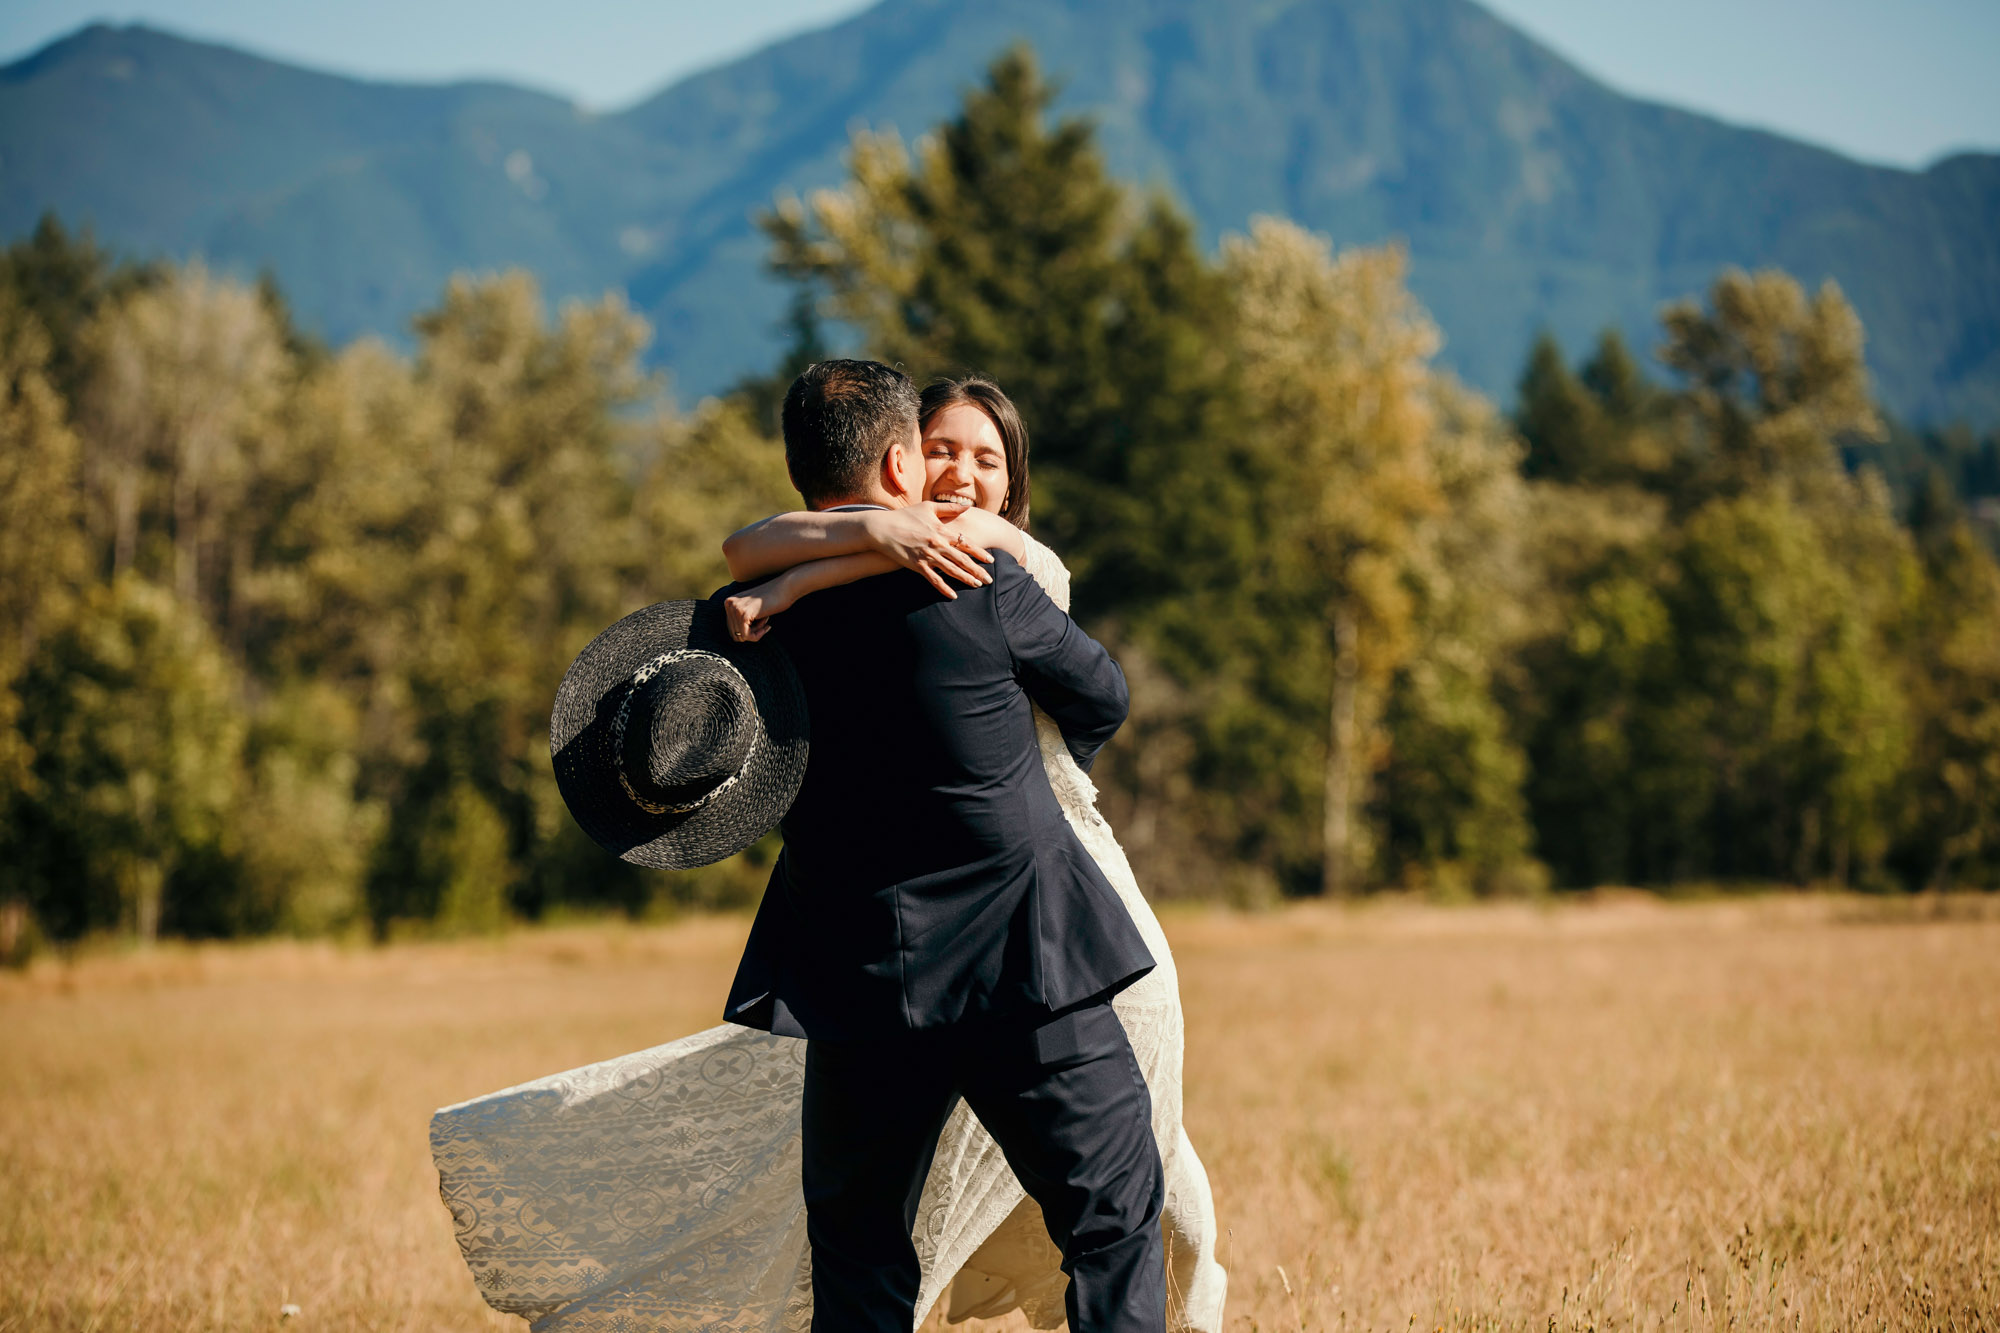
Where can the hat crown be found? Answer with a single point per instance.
(690, 729)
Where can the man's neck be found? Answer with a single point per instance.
(879, 500)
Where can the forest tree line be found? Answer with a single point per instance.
(280, 624)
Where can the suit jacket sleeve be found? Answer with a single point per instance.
(1063, 669)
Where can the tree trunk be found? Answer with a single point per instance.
(124, 522)
(237, 604)
(1146, 797)
(13, 927)
(1812, 833)
(1338, 839)
(187, 578)
(145, 880)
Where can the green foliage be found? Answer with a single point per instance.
(42, 551)
(1452, 806)
(1758, 681)
(1773, 380)
(63, 281)
(279, 625)
(1794, 707)
(380, 568)
(300, 833)
(459, 869)
(43, 556)
(1681, 648)
(1601, 748)
(1938, 476)
(1385, 531)
(1236, 459)
(132, 714)
(1603, 427)
(1950, 834)
(709, 474)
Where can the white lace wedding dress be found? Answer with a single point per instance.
(660, 1190)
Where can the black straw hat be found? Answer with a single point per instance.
(674, 745)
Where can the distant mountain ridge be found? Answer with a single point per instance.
(1529, 194)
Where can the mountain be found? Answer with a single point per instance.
(1529, 194)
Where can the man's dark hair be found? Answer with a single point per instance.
(841, 419)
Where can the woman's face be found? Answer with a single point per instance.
(965, 462)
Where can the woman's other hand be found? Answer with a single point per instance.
(919, 537)
(749, 613)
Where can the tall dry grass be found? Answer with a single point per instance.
(1775, 1114)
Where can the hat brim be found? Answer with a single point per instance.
(580, 741)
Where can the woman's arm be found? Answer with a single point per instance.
(989, 532)
(916, 537)
(750, 611)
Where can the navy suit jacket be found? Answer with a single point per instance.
(929, 876)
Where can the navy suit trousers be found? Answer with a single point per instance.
(1067, 1105)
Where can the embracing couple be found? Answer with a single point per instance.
(987, 1104)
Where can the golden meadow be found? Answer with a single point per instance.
(1776, 1113)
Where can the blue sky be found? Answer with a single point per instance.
(1899, 81)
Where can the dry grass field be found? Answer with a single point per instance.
(1781, 1113)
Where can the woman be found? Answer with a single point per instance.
(556, 1184)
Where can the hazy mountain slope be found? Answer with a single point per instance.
(363, 197)
(1528, 193)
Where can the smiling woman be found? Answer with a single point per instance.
(975, 448)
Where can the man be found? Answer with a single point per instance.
(933, 928)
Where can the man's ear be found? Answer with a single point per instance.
(903, 470)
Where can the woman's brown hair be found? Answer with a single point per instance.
(982, 393)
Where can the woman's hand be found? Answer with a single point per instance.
(749, 612)
(918, 537)
(985, 531)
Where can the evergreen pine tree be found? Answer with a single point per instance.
(1615, 380)
(1005, 248)
(1557, 416)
